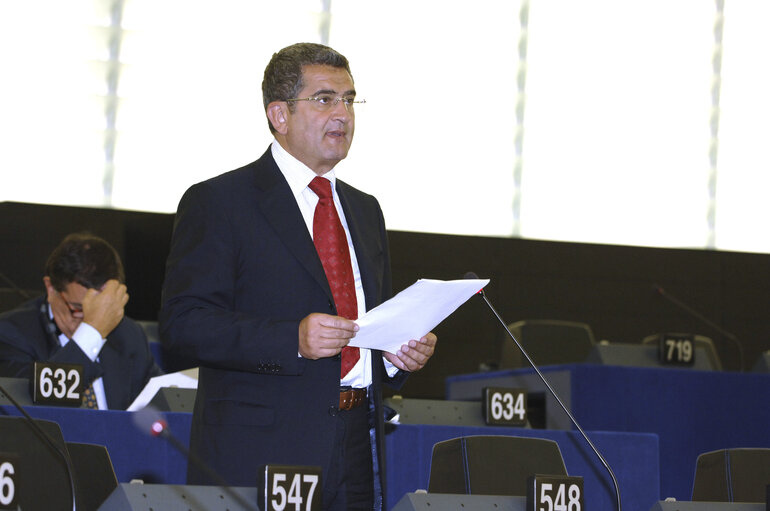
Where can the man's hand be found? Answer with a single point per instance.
(413, 355)
(66, 320)
(323, 335)
(103, 309)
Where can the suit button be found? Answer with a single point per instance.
(333, 411)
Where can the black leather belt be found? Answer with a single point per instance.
(352, 398)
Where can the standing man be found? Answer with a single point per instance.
(80, 321)
(270, 265)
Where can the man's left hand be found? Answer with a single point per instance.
(413, 355)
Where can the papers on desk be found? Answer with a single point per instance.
(187, 379)
(413, 312)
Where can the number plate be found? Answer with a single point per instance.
(290, 488)
(505, 406)
(555, 493)
(58, 384)
(676, 349)
(9, 481)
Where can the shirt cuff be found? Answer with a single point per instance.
(89, 339)
(390, 368)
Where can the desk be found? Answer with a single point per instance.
(134, 454)
(634, 457)
(692, 412)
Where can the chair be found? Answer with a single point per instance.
(762, 364)
(44, 479)
(732, 475)
(702, 345)
(548, 342)
(492, 465)
(94, 474)
(167, 361)
(150, 330)
(20, 390)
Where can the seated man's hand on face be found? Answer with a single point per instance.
(103, 309)
(67, 317)
(414, 354)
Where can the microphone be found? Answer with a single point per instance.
(471, 275)
(150, 421)
(14, 287)
(50, 441)
(697, 315)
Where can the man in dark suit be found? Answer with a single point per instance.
(80, 321)
(251, 293)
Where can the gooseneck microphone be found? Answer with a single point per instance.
(47, 438)
(150, 421)
(14, 287)
(471, 275)
(697, 315)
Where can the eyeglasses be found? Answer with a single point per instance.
(327, 101)
(74, 308)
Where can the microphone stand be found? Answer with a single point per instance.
(662, 292)
(159, 427)
(14, 287)
(179, 446)
(558, 399)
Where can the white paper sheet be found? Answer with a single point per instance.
(187, 379)
(413, 312)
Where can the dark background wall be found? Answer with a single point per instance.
(609, 287)
(30, 232)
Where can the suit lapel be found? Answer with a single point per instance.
(279, 207)
(116, 372)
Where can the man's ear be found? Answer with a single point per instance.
(49, 289)
(277, 114)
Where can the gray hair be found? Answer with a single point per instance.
(283, 74)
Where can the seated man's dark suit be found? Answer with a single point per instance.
(125, 363)
(241, 274)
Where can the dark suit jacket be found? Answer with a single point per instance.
(241, 274)
(125, 363)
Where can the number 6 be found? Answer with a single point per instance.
(497, 407)
(7, 488)
(46, 385)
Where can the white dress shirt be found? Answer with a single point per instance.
(299, 176)
(91, 342)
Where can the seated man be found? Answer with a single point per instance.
(80, 321)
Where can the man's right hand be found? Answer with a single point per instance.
(323, 335)
(103, 309)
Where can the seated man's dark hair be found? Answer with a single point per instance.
(86, 259)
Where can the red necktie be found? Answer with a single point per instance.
(332, 247)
